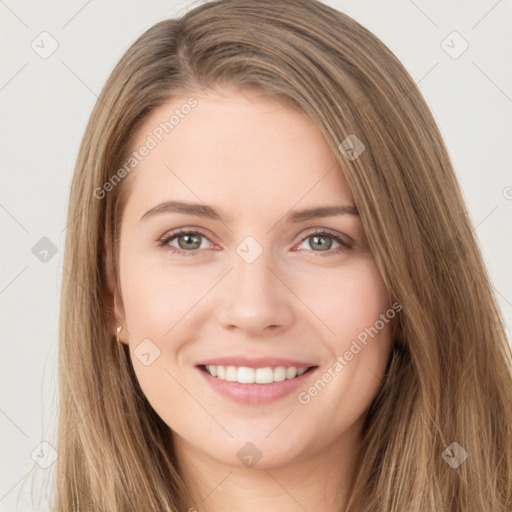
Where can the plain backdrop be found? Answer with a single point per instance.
(46, 101)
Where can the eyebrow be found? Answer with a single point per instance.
(321, 211)
(209, 212)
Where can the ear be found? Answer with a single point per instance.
(115, 299)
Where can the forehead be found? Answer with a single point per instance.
(243, 150)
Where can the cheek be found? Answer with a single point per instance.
(348, 302)
(355, 306)
(157, 298)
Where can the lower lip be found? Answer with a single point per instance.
(255, 393)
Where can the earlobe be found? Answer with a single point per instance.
(118, 321)
(117, 316)
(118, 337)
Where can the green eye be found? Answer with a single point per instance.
(185, 242)
(324, 243)
(320, 243)
(189, 241)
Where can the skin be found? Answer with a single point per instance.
(255, 160)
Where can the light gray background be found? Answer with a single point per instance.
(45, 105)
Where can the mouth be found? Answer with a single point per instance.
(255, 382)
(248, 375)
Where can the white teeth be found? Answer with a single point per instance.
(264, 376)
(231, 373)
(279, 374)
(291, 372)
(246, 375)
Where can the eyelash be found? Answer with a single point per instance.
(344, 245)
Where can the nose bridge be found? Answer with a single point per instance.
(253, 298)
(253, 280)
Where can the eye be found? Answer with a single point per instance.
(320, 242)
(323, 241)
(185, 242)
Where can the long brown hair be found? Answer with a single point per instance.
(449, 377)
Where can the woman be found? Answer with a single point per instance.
(274, 297)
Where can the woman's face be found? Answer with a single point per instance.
(241, 253)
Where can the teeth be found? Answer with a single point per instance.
(279, 374)
(231, 374)
(264, 375)
(291, 372)
(245, 375)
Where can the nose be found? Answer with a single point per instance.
(253, 300)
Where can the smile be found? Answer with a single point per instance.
(255, 385)
(247, 375)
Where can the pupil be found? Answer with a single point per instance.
(321, 242)
(189, 242)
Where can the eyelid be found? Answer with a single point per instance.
(346, 242)
(342, 237)
(164, 240)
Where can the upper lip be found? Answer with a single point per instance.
(257, 362)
